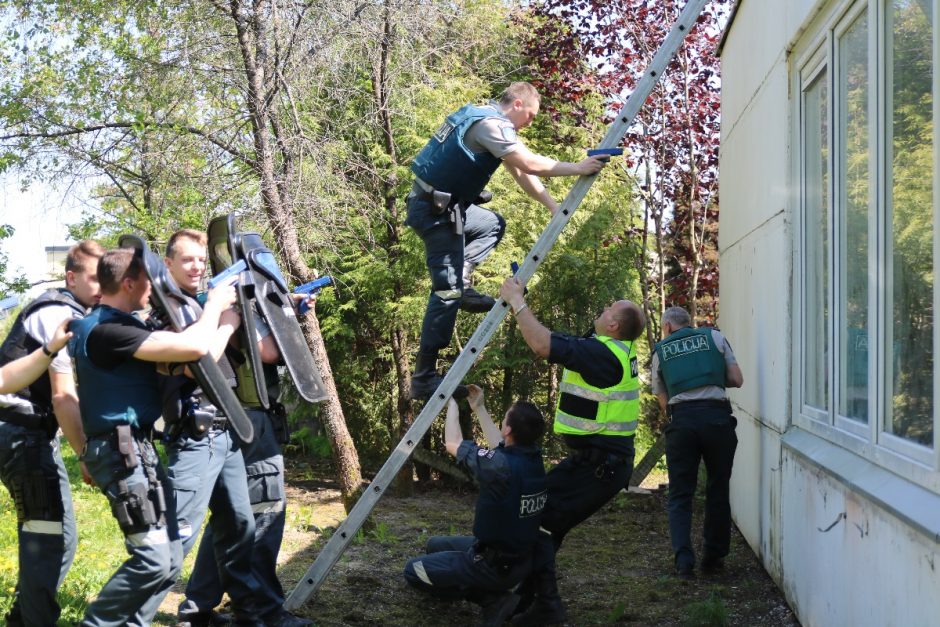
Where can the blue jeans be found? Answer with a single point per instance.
(209, 474)
(46, 535)
(699, 432)
(264, 465)
(453, 569)
(445, 254)
(133, 594)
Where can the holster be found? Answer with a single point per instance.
(36, 494)
(123, 457)
(501, 561)
(198, 420)
(138, 507)
(604, 462)
(194, 421)
(31, 418)
(440, 201)
(278, 414)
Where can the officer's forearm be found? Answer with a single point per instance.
(70, 420)
(452, 433)
(534, 333)
(66, 408)
(490, 430)
(534, 188)
(17, 374)
(663, 401)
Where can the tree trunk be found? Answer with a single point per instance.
(252, 41)
(389, 182)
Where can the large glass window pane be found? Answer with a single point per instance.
(816, 243)
(910, 221)
(855, 194)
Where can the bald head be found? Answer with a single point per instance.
(623, 320)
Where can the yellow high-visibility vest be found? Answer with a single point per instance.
(618, 407)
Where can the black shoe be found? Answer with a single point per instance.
(542, 612)
(209, 618)
(475, 302)
(685, 572)
(711, 565)
(283, 618)
(498, 609)
(424, 387)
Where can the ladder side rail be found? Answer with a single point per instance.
(347, 530)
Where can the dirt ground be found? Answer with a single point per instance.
(615, 568)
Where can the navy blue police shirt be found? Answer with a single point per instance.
(492, 471)
(598, 366)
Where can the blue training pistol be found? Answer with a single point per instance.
(313, 287)
(226, 275)
(605, 152)
(515, 268)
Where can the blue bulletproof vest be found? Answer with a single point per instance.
(448, 165)
(19, 343)
(127, 394)
(508, 519)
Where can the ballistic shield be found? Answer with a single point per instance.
(267, 288)
(177, 309)
(222, 256)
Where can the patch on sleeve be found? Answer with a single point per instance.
(509, 133)
(485, 452)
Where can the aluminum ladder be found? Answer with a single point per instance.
(347, 530)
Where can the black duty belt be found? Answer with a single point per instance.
(702, 404)
(592, 455)
(25, 417)
(140, 434)
(497, 557)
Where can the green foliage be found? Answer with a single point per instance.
(8, 286)
(708, 613)
(382, 533)
(361, 103)
(311, 444)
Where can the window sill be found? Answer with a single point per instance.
(912, 504)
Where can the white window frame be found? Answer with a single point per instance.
(814, 52)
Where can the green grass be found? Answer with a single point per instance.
(100, 547)
(708, 613)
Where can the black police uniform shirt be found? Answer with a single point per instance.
(598, 366)
(111, 344)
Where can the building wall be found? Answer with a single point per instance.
(832, 529)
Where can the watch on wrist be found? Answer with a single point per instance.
(48, 353)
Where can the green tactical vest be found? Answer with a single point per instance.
(689, 359)
(245, 388)
(618, 407)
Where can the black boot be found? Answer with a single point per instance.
(472, 300)
(426, 379)
(546, 608)
(497, 608)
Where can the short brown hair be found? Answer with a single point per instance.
(191, 234)
(523, 91)
(117, 265)
(79, 255)
(631, 320)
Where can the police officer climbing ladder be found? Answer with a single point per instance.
(330, 553)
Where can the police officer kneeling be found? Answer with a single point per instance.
(691, 369)
(484, 567)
